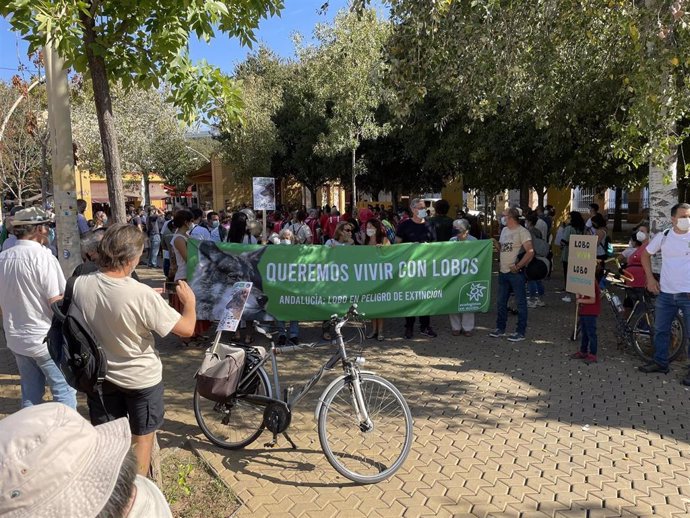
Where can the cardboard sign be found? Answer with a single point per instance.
(264, 191)
(238, 295)
(582, 264)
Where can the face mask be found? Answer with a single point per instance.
(421, 214)
(641, 236)
(589, 223)
(371, 232)
(226, 226)
(215, 224)
(51, 235)
(285, 242)
(683, 224)
(504, 221)
(105, 220)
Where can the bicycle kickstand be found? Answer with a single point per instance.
(292, 443)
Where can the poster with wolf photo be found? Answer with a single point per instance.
(264, 190)
(237, 299)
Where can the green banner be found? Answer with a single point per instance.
(309, 282)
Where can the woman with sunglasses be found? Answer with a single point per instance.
(342, 235)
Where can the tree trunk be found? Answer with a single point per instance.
(618, 211)
(312, 197)
(663, 194)
(147, 195)
(541, 195)
(106, 123)
(354, 181)
(394, 199)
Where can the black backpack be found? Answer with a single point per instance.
(73, 347)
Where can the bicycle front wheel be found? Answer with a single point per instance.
(235, 423)
(370, 456)
(643, 336)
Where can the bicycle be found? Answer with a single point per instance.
(363, 421)
(636, 330)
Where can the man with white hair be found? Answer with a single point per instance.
(30, 281)
(54, 463)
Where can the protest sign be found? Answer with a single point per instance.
(582, 263)
(312, 282)
(264, 191)
(232, 314)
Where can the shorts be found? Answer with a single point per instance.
(143, 407)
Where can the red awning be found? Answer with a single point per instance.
(99, 192)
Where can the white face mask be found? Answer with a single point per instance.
(371, 232)
(683, 224)
(504, 221)
(285, 242)
(421, 213)
(641, 236)
(589, 223)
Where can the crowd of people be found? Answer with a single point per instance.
(131, 408)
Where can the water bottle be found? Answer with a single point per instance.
(617, 303)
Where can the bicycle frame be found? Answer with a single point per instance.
(340, 356)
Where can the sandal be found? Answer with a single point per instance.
(372, 335)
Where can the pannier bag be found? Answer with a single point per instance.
(220, 372)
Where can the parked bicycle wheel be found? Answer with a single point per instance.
(369, 456)
(233, 424)
(643, 336)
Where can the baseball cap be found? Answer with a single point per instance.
(32, 216)
(55, 464)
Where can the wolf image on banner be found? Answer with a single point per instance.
(216, 273)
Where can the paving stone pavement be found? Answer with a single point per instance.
(501, 430)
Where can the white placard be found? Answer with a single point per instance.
(234, 308)
(264, 190)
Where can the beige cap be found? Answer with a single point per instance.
(32, 216)
(55, 464)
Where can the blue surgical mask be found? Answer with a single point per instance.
(51, 235)
(421, 213)
(215, 224)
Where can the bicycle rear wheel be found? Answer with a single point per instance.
(365, 457)
(233, 424)
(643, 336)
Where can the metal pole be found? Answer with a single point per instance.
(64, 187)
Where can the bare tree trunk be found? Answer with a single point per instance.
(541, 195)
(106, 123)
(354, 181)
(312, 196)
(663, 194)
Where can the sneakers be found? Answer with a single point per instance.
(653, 367)
(531, 303)
(497, 333)
(429, 332)
(408, 333)
(567, 299)
(590, 358)
(540, 302)
(516, 337)
(579, 355)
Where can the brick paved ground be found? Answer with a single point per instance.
(501, 430)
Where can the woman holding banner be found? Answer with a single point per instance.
(376, 236)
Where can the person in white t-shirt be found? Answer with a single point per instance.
(197, 230)
(30, 281)
(123, 314)
(673, 291)
(514, 238)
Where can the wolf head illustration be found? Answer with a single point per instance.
(215, 275)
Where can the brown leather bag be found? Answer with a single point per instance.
(220, 373)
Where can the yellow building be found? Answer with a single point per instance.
(93, 189)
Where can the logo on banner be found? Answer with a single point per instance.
(473, 296)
